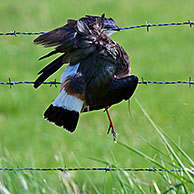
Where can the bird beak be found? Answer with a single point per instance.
(111, 31)
(116, 28)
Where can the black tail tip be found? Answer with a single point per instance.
(62, 117)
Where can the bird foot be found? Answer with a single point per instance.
(112, 131)
(111, 126)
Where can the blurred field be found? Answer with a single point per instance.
(163, 54)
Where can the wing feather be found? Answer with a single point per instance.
(59, 36)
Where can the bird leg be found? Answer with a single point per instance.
(111, 126)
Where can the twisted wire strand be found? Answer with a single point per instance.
(145, 82)
(146, 25)
(95, 169)
(14, 33)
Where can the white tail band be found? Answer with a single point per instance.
(68, 102)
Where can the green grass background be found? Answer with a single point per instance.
(26, 139)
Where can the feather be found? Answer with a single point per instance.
(82, 28)
(48, 55)
(48, 70)
(62, 117)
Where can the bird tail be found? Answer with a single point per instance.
(64, 111)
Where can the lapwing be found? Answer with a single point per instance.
(98, 73)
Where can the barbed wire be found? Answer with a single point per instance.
(146, 25)
(13, 83)
(55, 83)
(106, 169)
(14, 33)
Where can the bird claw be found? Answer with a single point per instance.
(114, 136)
(112, 131)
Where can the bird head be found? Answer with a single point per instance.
(108, 28)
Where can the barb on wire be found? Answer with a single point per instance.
(145, 82)
(146, 25)
(106, 169)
